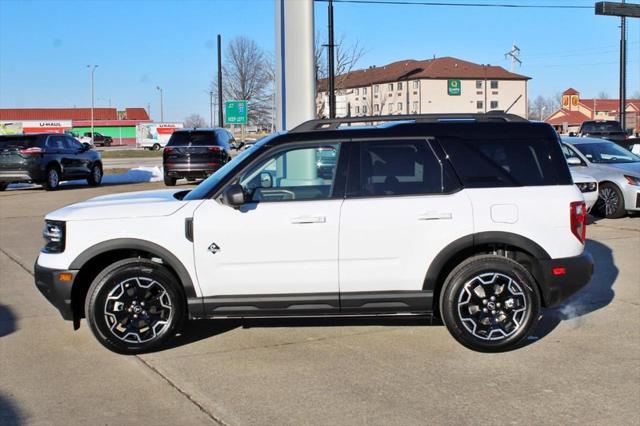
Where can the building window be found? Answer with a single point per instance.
(364, 90)
(376, 88)
(400, 86)
(415, 106)
(357, 110)
(399, 106)
(357, 91)
(364, 109)
(416, 84)
(478, 84)
(494, 104)
(494, 84)
(390, 107)
(480, 104)
(390, 86)
(376, 107)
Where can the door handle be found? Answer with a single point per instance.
(435, 216)
(308, 219)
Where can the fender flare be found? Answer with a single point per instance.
(474, 240)
(137, 244)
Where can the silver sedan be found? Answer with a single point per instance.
(616, 169)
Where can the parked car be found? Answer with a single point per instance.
(97, 140)
(47, 159)
(588, 186)
(616, 169)
(195, 153)
(436, 216)
(73, 135)
(604, 129)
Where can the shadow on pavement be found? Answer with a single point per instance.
(9, 412)
(595, 295)
(7, 321)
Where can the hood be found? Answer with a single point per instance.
(119, 206)
(628, 168)
(579, 177)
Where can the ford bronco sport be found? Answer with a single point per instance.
(421, 215)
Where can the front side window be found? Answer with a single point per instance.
(401, 168)
(306, 173)
(71, 143)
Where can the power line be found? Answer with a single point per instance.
(451, 4)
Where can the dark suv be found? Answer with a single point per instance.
(195, 153)
(48, 159)
(604, 129)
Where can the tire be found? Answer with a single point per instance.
(95, 177)
(3, 185)
(476, 286)
(610, 202)
(52, 181)
(119, 304)
(169, 181)
(155, 147)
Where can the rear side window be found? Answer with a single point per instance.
(522, 162)
(193, 138)
(401, 168)
(21, 142)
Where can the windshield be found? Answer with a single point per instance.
(205, 187)
(606, 153)
(201, 138)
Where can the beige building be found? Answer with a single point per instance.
(438, 85)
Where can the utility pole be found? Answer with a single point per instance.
(93, 70)
(211, 108)
(514, 54)
(220, 118)
(161, 104)
(332, 71)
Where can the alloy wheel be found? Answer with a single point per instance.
(610, 201)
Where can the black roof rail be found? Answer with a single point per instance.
(336, 123)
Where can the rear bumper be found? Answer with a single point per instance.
(22, 175)
(571, 274)
(57, 292)
(190, 169)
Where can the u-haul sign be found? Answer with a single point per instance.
(57, 126)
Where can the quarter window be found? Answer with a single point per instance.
(296, 174)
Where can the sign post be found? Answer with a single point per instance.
(236, 113)
(453, 87)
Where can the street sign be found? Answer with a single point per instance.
(617, 9)
(235, 112)
(453, 87)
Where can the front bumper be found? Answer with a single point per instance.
(57, 292)
(631, 194)
(571, 274)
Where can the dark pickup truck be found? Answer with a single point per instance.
(609, 129)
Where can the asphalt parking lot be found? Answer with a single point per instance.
(582, 366)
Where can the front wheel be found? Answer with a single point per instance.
(610, 202)
(490, 303)
(3, 185)
(134, 306)
(95, 177)
(53, 179)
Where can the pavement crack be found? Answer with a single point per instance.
(17, 261)
(184, 393)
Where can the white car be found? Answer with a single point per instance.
(588, 186)
(433, 215)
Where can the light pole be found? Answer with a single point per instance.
(161, 105)
(93, 70)
(542, 112)
(211, 108)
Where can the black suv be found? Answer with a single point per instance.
(195, 153)
(48, 159)
(604, 129)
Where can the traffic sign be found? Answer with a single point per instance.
(453, 87)
(235, 112)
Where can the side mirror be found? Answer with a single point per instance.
(86, 146)
(574, 161)
(266, 181)
(233, 195)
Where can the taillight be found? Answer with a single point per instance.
(167, 149)
(215, 149)
(31, 151)
(579, 220)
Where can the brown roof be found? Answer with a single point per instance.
(570, 91)
(610, 105)
(437, 68)
(137, 114)
(70, 114)
(572, 118)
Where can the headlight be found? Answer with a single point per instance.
(632, 180)
(54, 236)
(587, 186)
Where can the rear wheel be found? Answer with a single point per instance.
(610, 202)
(134, 306)
(155, 147)
(490, 303)
(169, 181)
(53, 179)
(3, 185)
(95, 177)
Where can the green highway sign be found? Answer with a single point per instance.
(235, 112)
(453, 87)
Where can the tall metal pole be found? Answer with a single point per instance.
(161, 104)
(220, 118)
(211, 109)
(623, 71)
(332, 77)
(93, 70)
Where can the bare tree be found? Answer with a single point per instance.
(543, 106)
(248, 75)
(603, 95)
(635, 94)
(195, 120)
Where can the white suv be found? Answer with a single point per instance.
(428, 215)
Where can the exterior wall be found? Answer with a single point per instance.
(122, 135)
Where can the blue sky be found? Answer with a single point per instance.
(46, 45)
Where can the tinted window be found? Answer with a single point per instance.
(55, 142)
(71, 143)
(19, 142)
(604, 126)
(487, 163)
(401, 168)
(201, 138)
(606, 152)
